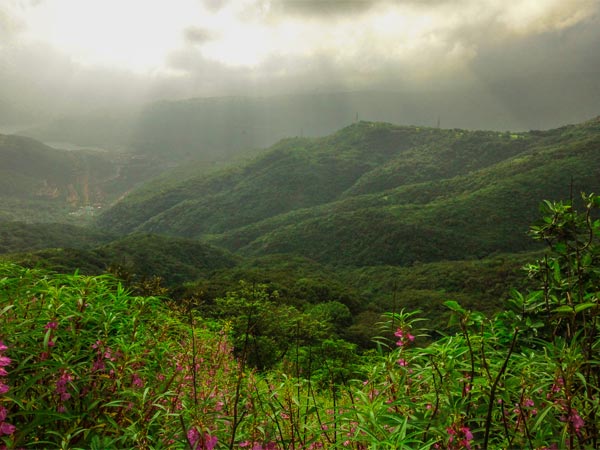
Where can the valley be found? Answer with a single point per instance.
(298, 265)
(395, 215)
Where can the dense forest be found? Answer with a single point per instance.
(381, 287)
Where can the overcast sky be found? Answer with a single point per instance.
(65, 56)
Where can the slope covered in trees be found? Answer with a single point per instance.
(22, 237)
(375, 193)
(136, 258)
(39, 183)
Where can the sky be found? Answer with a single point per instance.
(61, 57)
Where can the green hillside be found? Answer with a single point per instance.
(375, 193)
(39, 183)
(295, 173)
(26, 237)
(30, 170)
(135, 258)
(465, 217)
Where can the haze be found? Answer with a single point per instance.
(495, 64)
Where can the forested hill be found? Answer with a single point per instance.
(39, 183)
(375, 193)
(36, 181)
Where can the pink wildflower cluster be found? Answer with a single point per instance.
(404, 337)
(575, 420)
(136, 381)
(198, 441)
(571, 415)
(61, 389)
(5, 427)
(459, 437)
(102, 353)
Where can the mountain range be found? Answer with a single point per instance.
(374, 193)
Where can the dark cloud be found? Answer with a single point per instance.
(36, 81)
(545, 79)
(489, 66)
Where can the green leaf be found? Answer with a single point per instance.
(584, 306)
(454, 306)
(564, 309)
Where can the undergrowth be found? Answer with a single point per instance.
(85, 364)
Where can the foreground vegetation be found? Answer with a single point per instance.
(85, 364)
(349, 301)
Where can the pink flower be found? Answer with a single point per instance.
(459, 437)
(467, 433)
(98, 365)
(61, 385)
(210, 441)
(193, 437)
(451, 433)
(577, 421)
(5, 361)
(3, 346)
(404, 337)
(7, 429)
(402, 362)
(137, 381)
(4, 388)
(51, 325)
